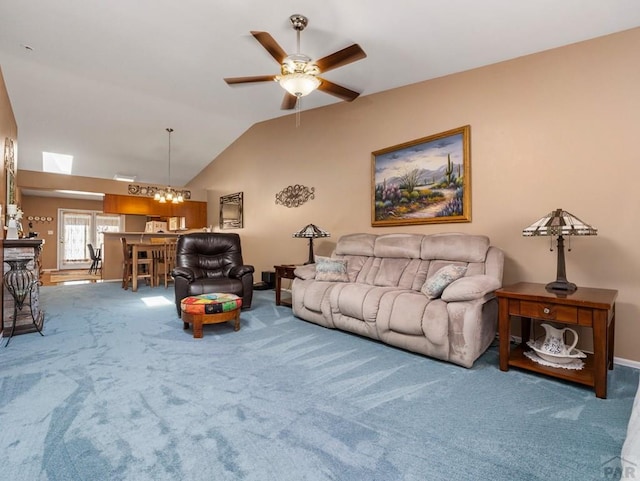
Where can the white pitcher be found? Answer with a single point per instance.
(554, 341)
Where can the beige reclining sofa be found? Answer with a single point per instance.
(401, 289)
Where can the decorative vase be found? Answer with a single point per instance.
(19, 280)
(554, 341)
(12, 230)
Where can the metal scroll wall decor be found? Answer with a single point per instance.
(295, 195)
(150, 191)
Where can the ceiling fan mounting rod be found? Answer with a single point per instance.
(299, 22)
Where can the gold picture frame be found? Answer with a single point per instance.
(424, 181)
(10, 170)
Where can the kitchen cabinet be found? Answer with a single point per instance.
(194, 212)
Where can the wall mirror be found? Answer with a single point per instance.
(231, 211)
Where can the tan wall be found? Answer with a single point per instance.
(48, 207)
(555, 129)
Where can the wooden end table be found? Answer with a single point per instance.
(284, 271)
(589, 307)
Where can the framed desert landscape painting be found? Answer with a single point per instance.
(425, 181)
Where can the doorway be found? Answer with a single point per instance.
(77, 229)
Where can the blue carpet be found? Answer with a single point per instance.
(117, 390)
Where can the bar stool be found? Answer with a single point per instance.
(145, 266)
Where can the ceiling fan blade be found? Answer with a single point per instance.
(244, 80)
(288, 102)
(340, 58)
(337, 90)
(270, 45)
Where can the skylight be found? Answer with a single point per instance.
(56, 163)
(124, 177)
(80, 192)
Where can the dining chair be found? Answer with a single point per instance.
(165, 262)
(96, 259)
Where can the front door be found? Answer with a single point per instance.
(77, 229)
(74, 229)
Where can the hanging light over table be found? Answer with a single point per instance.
(169, 194)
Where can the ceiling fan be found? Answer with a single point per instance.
(299, 75)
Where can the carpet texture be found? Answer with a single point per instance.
(117, 390)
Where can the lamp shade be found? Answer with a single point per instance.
(559, 222)
(311, 231)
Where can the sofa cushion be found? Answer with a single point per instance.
(390, 271)
(332, 270)
(356, 301)
(434, 285)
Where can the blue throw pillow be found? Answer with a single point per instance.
(333, 270)
(434, 285)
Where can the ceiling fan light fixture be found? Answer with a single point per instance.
(299, 84)
(299, 74)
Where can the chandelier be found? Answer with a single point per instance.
(169, 194)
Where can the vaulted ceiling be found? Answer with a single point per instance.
(102, 79)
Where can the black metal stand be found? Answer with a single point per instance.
(311, 257)
(20, 282)
(561, 283)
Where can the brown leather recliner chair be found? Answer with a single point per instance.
(211, 262)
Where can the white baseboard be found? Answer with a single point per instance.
(626, 362)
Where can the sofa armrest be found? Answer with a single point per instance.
(306, 272)
(187, 272)
(238, 271)
(470, 288)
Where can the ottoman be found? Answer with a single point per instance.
(210, 309)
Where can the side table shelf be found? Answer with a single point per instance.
(583, 376)
(587, 307)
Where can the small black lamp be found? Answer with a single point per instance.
(311, 232)
(560, 223)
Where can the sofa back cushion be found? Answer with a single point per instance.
(407, 260)
(356, 245)
(405, 246)
(455, 247)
